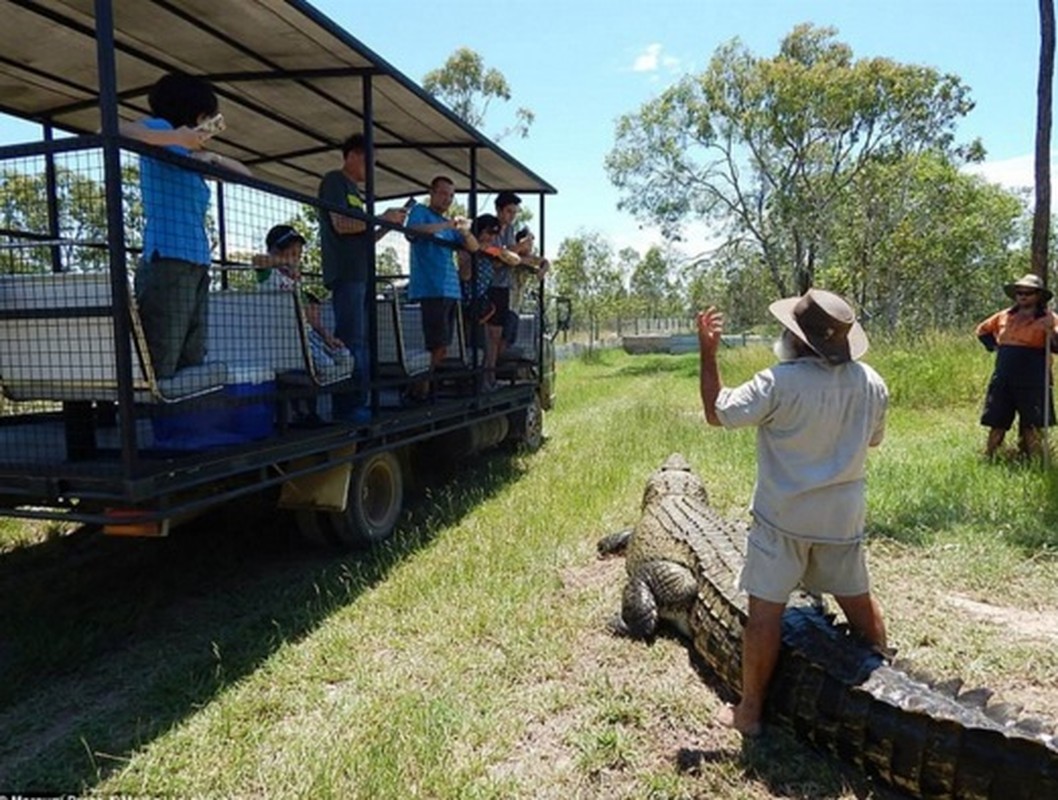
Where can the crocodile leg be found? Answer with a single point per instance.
(658, 590)
(615, 543)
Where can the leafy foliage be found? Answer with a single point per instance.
(585, 272)
(920, 245)
(467, 87)
(769, 149)
(80, 213)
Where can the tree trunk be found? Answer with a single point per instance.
(1042, 217)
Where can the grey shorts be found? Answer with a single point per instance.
(173, 297)
(777, 564)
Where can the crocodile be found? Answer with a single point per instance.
(928, 739)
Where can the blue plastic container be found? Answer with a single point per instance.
(194, 424)
(244, 412)
(253, 391)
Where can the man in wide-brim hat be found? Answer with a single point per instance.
(816, 412)
(1020, 382)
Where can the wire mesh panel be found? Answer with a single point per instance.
(63, 314)
(58, 360)
(202, 328)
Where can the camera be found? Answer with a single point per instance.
(213, 125)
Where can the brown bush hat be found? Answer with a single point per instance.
(825, 322)
(1032, 283)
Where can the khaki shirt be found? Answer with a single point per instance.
(815, 422)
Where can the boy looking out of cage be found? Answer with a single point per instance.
(172, 280)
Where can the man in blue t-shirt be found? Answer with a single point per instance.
(434, 279)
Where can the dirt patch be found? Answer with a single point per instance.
(1039, 629)
(1041, 625)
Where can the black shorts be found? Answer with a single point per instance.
(438, 321)
(1004, 400)
(478, 310)
(500, 296)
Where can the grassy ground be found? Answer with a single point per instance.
(468, 657)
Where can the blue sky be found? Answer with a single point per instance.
(579, 65)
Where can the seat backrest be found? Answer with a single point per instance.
(260, 327)
(57, 343)
(415, 355)
(400, 344)
(388, 338)
(65, 350)
(526, 343)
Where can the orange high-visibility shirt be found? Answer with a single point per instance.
(1011, 329)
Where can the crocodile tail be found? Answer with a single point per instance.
(836, 692)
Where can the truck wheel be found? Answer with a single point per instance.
(376, 498)
(527, 426)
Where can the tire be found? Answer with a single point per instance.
(527, 426)
(376, 499)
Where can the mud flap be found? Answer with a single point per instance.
(326, 490)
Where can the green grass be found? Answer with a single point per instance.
(466, 658)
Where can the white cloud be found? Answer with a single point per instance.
(652, 59)
(647, 61)
(1013, 173)
(1018, 173)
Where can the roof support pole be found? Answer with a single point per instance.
(119, 278)
(222, 235)
(367, 89)
(51, 190)
(540, 284)
(472, 201)
(477, 357)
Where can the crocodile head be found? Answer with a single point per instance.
(674, 478)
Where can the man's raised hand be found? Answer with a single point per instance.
(710, 328)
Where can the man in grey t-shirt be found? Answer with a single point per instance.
(345, 249)
(816, 412)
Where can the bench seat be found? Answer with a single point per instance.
(267, 327)
(57, 344)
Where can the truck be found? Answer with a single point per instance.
(90, 432)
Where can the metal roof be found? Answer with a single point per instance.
(290, 82)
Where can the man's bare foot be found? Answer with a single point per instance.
(733, 717)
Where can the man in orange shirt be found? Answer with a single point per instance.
(1021, 380)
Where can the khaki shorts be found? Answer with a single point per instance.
(777, 564)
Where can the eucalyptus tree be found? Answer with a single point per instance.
(765, 148)
(468, 87)
(651, 283)
(80, 213)
(920, 244)
(584, 270)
